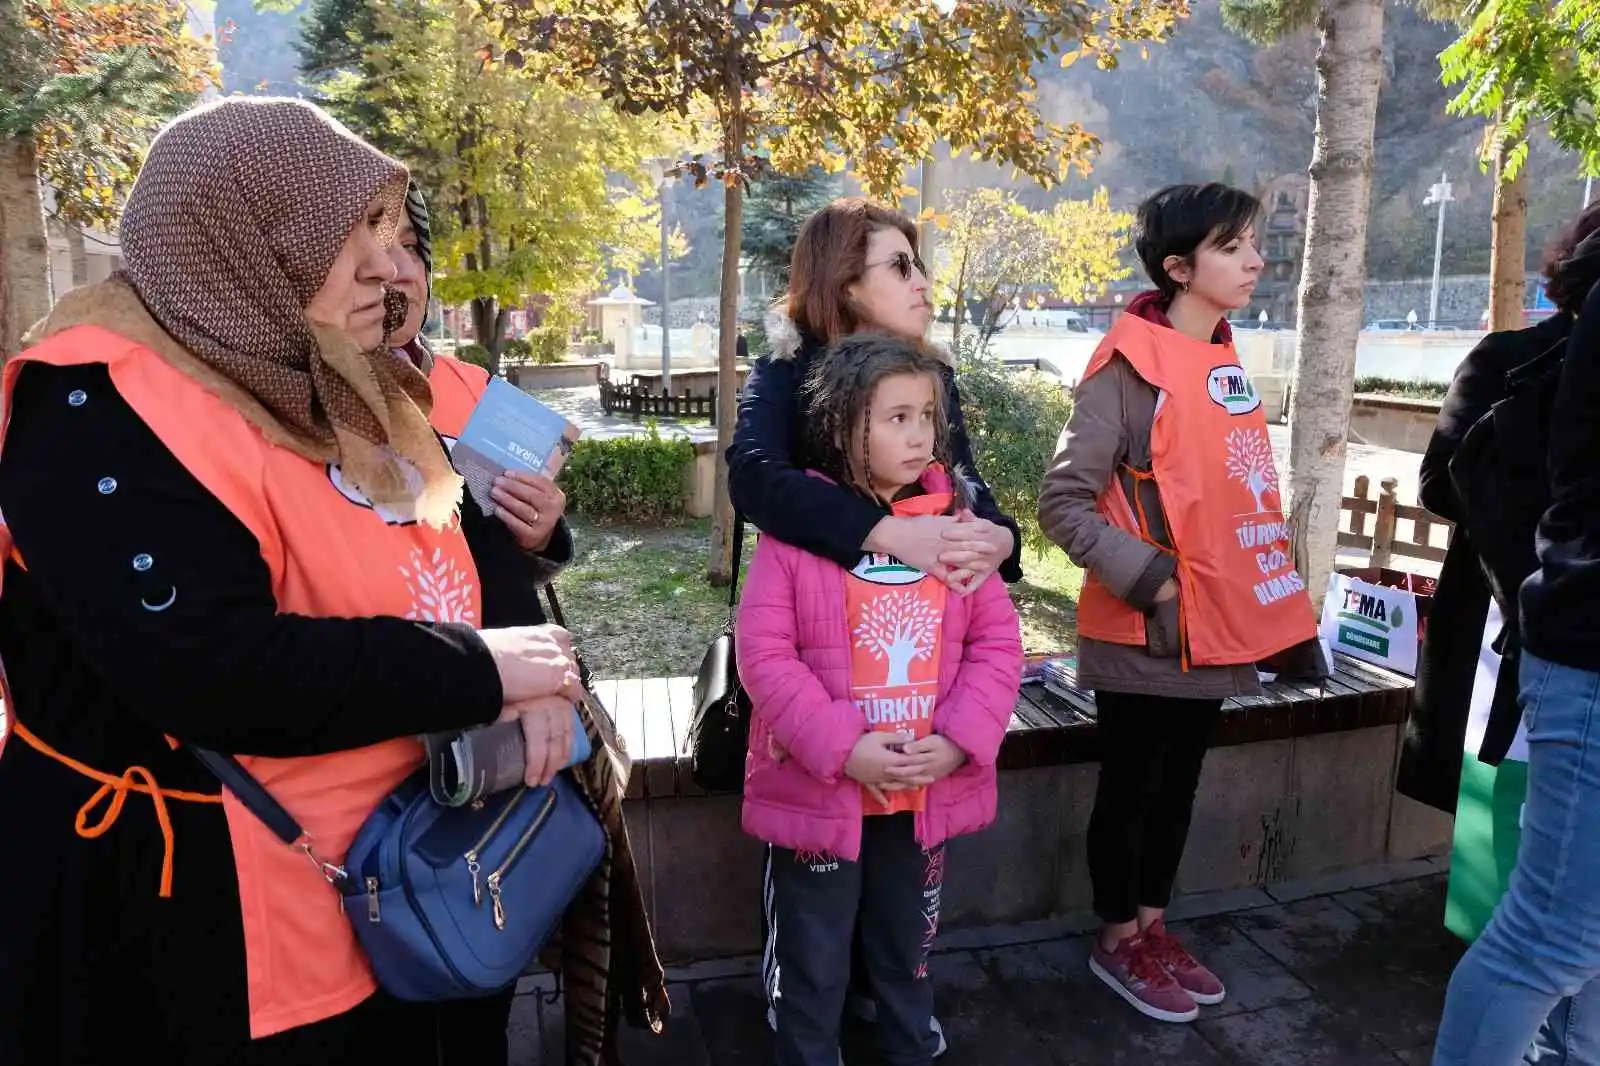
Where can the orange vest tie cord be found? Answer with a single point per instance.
(133, 779)
(1241, 599)
(330, 554)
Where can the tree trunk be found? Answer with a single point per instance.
(24, 250)
(489, 328)
(78, 253)
(720, 569)
(1508, 255)
(1349, 73)
(959, 314)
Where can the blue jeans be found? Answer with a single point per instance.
(1543, 942)
(1567, 1037)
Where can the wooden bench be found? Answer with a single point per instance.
(1046, 729)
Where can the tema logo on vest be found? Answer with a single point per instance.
(1366, 620)
(883, 569)
(1230, 388)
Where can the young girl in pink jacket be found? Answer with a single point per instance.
(881, 698)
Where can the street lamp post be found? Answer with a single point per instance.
(663, 178)
(1438, 194)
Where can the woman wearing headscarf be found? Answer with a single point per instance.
(607, 956)
(530, 506)
(229, 524)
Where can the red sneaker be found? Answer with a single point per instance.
(1134, 973)
(1202, 985)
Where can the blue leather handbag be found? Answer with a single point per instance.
(450, 902)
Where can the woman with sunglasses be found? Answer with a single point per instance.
(855, 268)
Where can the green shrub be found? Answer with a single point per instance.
(476, 354)
(1013, 421)
(547, 344)
(1410, 390)
(516, 350)
(633, 479)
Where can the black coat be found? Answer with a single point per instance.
(766, 464)
(1430, 758)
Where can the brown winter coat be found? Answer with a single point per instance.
(1112, 415)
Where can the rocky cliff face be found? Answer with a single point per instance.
(1206, 106)
(1211, 106)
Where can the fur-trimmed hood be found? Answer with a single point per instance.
(783, 336)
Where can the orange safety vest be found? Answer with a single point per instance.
(330, 554)
(896, 619)
(1241, 599)
(457, 388)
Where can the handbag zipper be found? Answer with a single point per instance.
(516, 850)
(494, 827)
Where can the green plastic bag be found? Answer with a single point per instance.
(1488, 810)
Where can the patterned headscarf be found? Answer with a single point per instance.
(417, 211)
(237, 216)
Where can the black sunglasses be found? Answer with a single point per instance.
(903, 265)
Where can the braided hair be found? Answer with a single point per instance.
(839, 394)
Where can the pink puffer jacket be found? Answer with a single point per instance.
(794, 659)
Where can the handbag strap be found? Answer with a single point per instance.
(555, 605)
(585, 675)
(259, 802)
(738, 553)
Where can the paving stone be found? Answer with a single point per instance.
(1308, 1033)
(552, 1029)
(1047, 990)
(1304, 936)
(681, 1042)
(977, 1013)
(1396, 983)
(1380, 954)
(523, 1033)
(1355, 979)
(733, 1018)
(1254, 979)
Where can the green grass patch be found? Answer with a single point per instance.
(638, 601)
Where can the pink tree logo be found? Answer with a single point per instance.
(900, 627)
(1250, 462)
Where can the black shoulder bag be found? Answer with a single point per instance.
(1500, 474)
(719, 732)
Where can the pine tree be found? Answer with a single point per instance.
(778, 206)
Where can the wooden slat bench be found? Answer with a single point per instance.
(653, 714)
